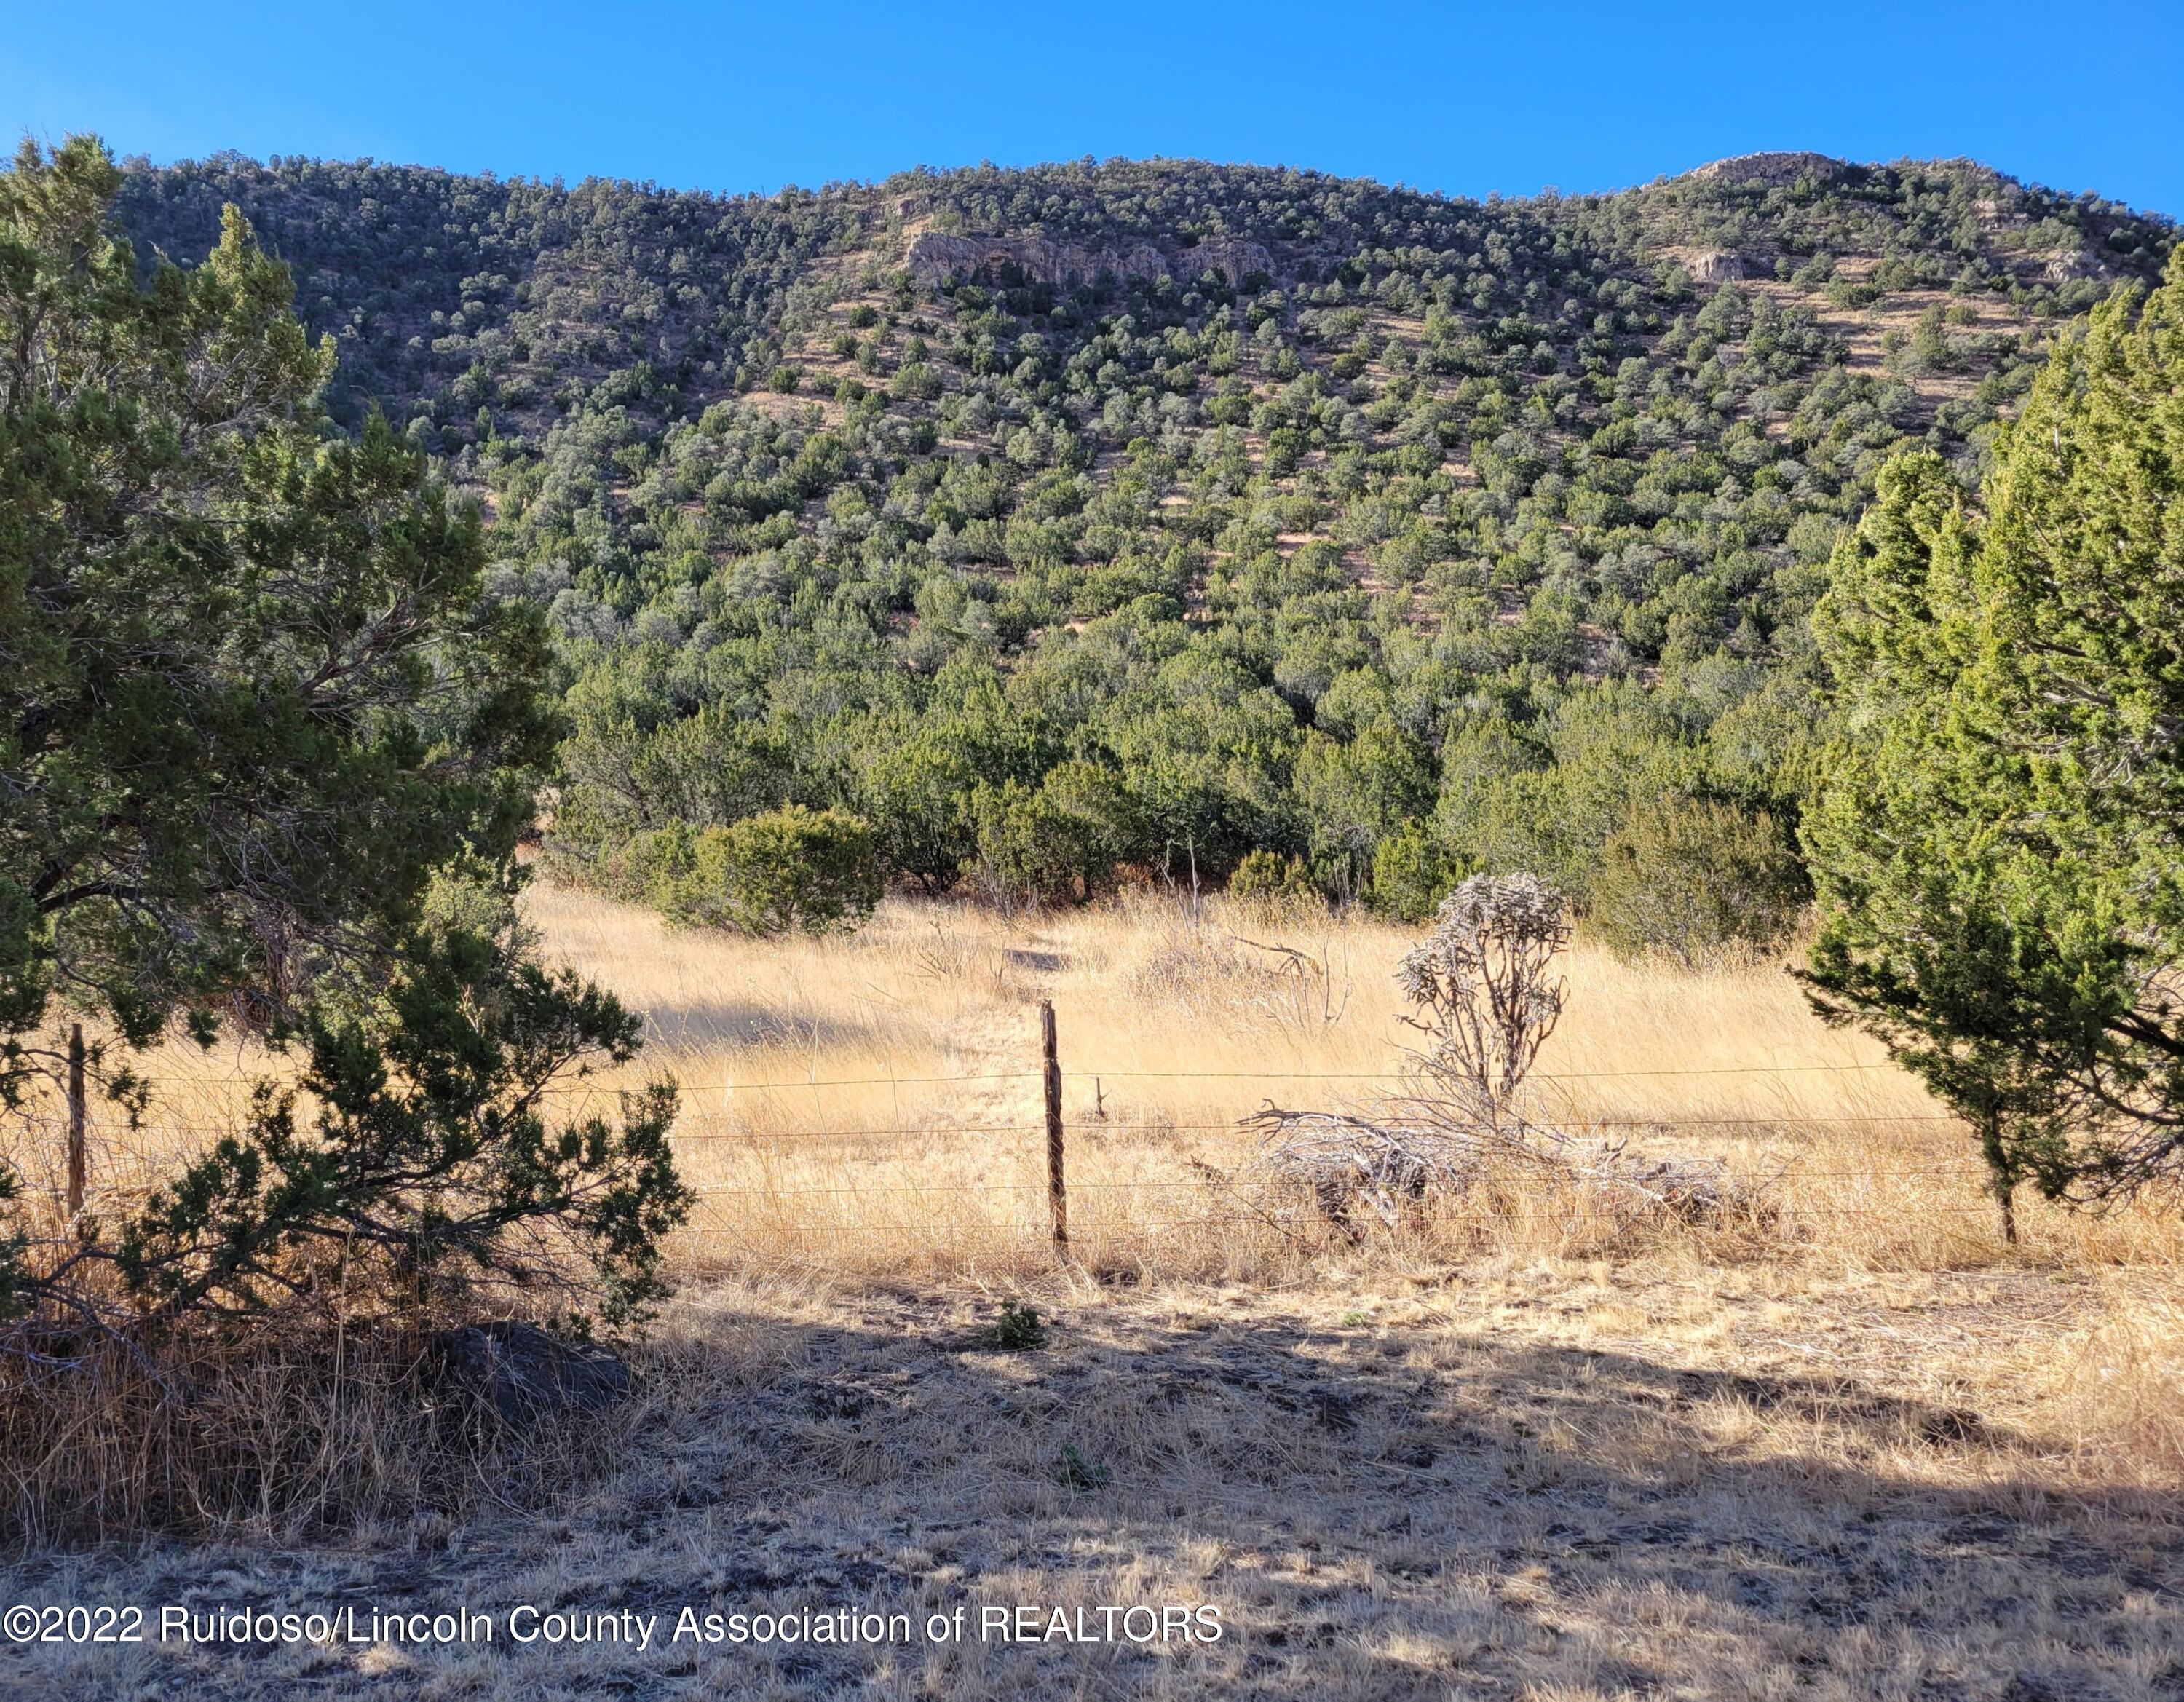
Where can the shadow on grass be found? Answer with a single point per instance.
(701, 1025)
(1376, 1513)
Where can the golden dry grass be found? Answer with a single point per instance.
(1856, 1448)
(871, 1101)
(869, 1105)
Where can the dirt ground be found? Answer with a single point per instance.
(1553, 1481)
(1859, 1449)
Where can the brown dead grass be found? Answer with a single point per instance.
(1510, 1478)
(1859, 1448)
(871, 1103)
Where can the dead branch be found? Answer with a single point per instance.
(1482, 989)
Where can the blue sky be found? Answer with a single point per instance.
(1463, 98)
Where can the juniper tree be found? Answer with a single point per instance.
(1998, 846)
(413, 1159)
(252, 694)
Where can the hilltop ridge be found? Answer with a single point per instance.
(1254, 508)
(1771, 169)
(380, 248)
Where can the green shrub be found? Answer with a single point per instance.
(787, 868)
(1270, 890)
(1694, 879)
(1413, 872)
(917, 381)
(1018, 1329)
(1265, 876)
(1077, 1473)
(1056, 842)
(411, 1158)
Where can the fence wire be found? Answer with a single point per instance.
(112, 1145)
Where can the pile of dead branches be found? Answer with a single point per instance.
(1484, 991)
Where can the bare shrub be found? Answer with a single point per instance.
(1486, 992)
(1485, 987)
(1222, 978)
(951, 951)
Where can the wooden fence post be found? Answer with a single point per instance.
(75, 1122)
(1057, 1197)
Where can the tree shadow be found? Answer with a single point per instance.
(1374, 1513)
(689, 1024)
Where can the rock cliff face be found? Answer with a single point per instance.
(934, 257)
(2075, 263)
(1716, 266)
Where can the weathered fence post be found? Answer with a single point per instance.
(75, 1122)
(1057, 1197)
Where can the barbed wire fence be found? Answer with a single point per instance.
(104, 1165)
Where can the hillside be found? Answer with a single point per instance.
(732, 997)
(1100, 517)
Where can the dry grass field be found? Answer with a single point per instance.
(1846, 1443)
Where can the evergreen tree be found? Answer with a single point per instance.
(255, 704)
(1998, 845)
(250, 692)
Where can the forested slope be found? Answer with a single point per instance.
(1060, 522)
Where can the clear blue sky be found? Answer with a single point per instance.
(1465, 98)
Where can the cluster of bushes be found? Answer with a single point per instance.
(1460, 537)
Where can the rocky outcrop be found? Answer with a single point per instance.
(935, 257)
(1717, 266)
(1773, 170)
(1234, 258)
(2074, 263)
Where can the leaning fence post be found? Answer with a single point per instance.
(1057, 1197)
(75, 1122)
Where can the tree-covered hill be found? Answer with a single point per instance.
(1044, 524)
